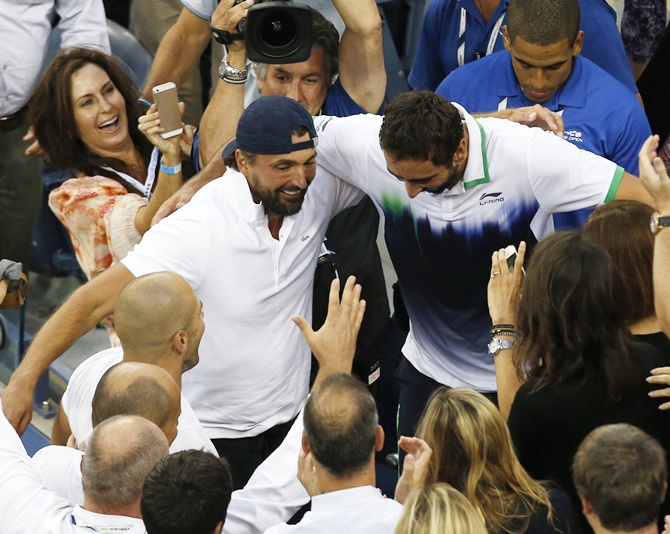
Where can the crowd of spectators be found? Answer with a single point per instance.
(238, 271)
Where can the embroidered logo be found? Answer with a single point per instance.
(491, 198)
(574, 136)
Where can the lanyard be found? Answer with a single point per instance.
(151, 175)
(107, 529)
(461, 37)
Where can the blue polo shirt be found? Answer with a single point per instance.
(600, 114)
(437, 52)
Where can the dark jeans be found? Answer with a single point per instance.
(245, 454)
(415, 390)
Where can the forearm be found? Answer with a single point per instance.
(361, 58)
(167, 185)
(60, 432)
(662, 276)
(219, 122)
(74, 318)
(179, 52)
(507, 378)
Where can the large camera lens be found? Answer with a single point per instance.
(278, 29)
(279, 32)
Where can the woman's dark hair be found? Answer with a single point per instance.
(51, 113)
(572, 327)
(622, 227)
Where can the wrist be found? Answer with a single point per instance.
(170, 169)
(24, 379)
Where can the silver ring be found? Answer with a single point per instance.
(495, 273)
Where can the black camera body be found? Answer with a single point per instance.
(274, 31)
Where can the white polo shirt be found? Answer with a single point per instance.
(78, 398)
(254, 362)
(362, 509)
(59, 468)
(27, 506)
(441, 245)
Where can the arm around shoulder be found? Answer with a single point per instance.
(82, 311)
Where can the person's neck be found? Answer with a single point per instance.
(648, 325)
(486, 8)
(328, 483)
(126, 511)
(274, 224)
(170, 362)
(649, 529)
(131, 156)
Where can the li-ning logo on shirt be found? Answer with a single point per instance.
(490, 198)
(574, 136)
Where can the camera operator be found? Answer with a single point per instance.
(180, 49)
(361, 77)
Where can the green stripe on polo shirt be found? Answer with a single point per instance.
(616, 180)
(485, 160)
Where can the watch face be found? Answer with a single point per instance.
(653, 225)
(494, 346)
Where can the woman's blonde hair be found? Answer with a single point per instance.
(473, 451)
(439, 508)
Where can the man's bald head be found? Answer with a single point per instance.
(119, 455)
(151, 309)
(142, 389)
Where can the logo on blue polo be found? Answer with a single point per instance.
(573, 135)
(490, 198)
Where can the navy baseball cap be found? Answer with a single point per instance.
(266, 127)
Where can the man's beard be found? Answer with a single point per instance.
(274, 202)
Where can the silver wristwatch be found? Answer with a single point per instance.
(231, 74)
(496, 345)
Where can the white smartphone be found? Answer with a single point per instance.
(167, 102)
(510, 256)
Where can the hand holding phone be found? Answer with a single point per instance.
(167, 102)
(510, 257)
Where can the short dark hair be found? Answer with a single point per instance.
(421, 125)
(144, 397)
(543, 22)
(326, 38)
(622, 472)
(51, 113)
(188, 491)
(622, 227)
(340, 421)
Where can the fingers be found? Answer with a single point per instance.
(334, 296)
(304, 326)
(660, 371)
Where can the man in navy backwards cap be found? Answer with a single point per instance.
(247, 244)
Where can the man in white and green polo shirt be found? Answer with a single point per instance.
(452, 190)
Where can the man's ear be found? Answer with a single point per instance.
(577, 45)
(180, 341)
(587, 509)
(379, 438)
(218, 528)
(242, 163)
(461, 153)
(507, 42)
(305, 444)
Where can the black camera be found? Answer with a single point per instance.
(274, 31)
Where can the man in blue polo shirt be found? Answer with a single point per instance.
(456, 32)
(542, 66)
